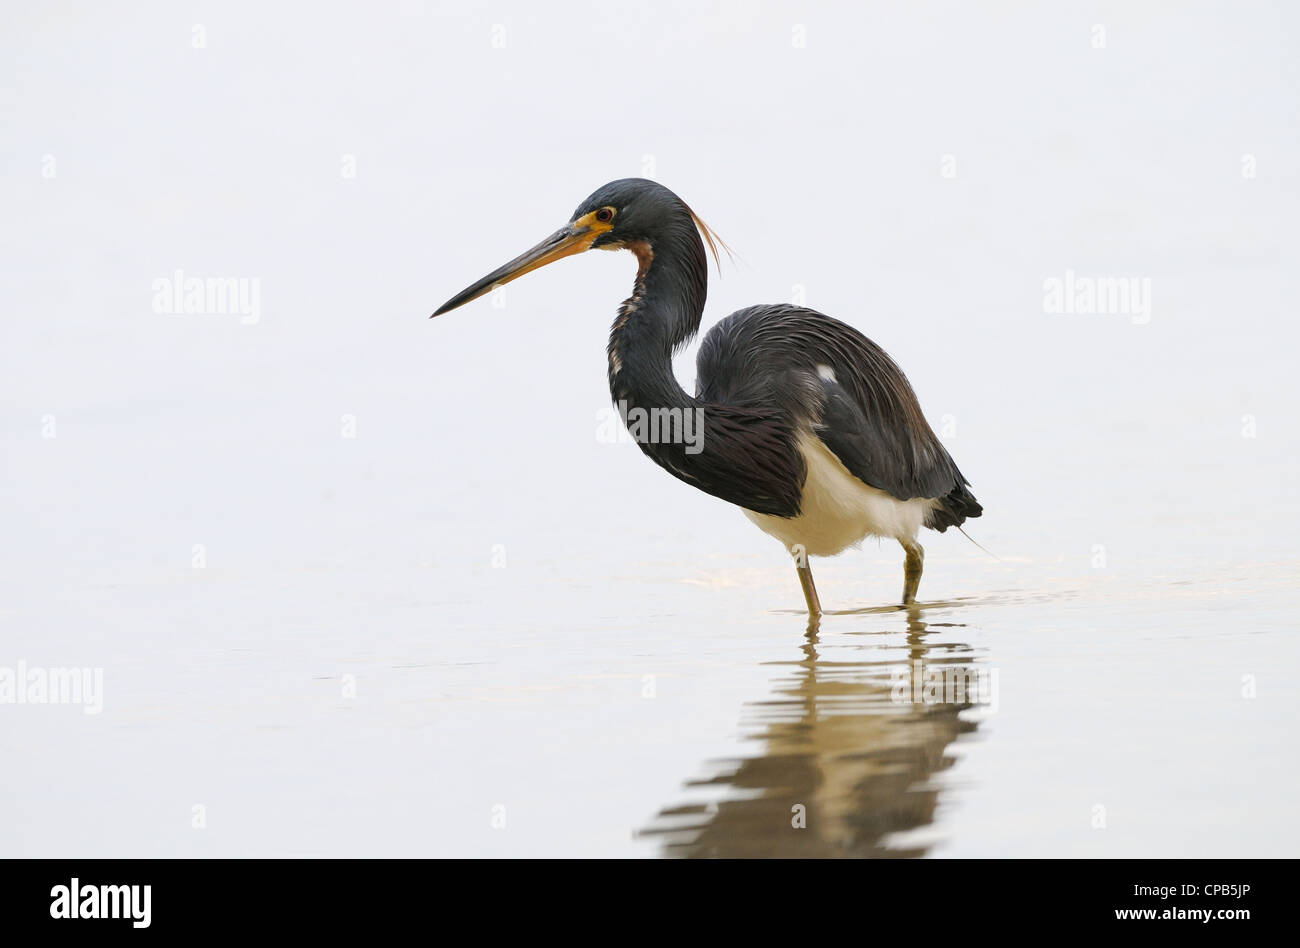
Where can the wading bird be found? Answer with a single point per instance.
(808, 426)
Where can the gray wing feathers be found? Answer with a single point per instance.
(863, 408)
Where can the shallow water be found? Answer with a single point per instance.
(677, 707)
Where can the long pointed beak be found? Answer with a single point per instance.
(568, 240)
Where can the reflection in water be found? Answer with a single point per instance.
(845, 741)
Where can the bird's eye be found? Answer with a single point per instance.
(605, 215)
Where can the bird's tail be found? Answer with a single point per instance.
(954, 508)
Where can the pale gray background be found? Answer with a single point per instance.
(821, 166)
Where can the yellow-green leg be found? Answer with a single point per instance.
(804, 569)
(912, 567)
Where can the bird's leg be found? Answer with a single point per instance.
(912, 570)
(804, 568)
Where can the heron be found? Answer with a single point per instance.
(808, 427)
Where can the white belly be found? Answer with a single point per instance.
(838, 510)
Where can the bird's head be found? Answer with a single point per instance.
(631, 214)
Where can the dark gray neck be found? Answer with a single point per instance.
(662, 314)
(742, 455)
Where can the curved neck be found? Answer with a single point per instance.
(742, 455)
(662, 314)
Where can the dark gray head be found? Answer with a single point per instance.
(636, 210)
(631, 213)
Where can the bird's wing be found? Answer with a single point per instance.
(850, 393)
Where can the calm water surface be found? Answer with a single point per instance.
(677, 705)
